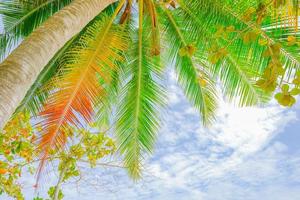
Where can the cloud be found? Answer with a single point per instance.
(263, 176)
(237, 158)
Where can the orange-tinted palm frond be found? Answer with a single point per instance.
(81, 83)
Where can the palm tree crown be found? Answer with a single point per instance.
(112, 71)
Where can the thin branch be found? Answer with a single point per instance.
(59, 182)
(104, 164)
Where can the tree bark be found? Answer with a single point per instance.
(21, 68)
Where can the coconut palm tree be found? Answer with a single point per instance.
(77, 62)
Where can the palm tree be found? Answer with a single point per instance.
(103, 61)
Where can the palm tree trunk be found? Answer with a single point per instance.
(20, 69)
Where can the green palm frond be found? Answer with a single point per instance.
(142, 95)
(197, 85)
(21, 17)
(274, 31)
(105, 107)
(243, 61)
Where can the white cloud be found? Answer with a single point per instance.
(236, 158)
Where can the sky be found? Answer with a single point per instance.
(248, 154)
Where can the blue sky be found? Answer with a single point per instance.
(248, 154)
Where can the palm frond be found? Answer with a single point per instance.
(155, 38)
(106, 105)
(142, 96)
(197, 85)
(76, 87)
(37, 95)
(20, 18)
(244, 62)
(272, 30)
(286, 12)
